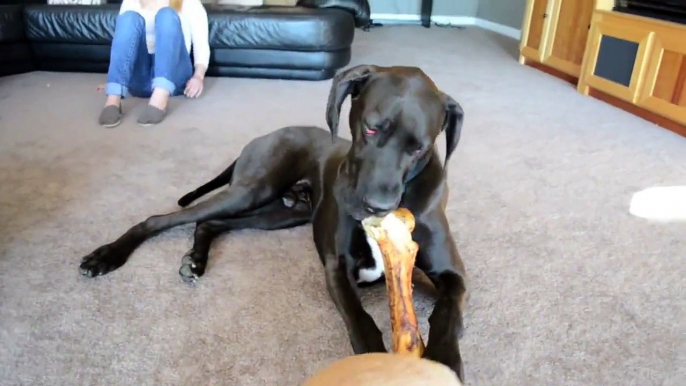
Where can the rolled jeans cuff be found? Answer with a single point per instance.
(112, 88)
(164, 84)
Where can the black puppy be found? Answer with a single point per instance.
(395, 117)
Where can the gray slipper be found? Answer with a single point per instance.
(110, 116)
(151, 116)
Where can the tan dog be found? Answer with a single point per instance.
(380, 369)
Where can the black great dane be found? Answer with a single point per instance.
(298, 175)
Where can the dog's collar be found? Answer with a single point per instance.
(418, 167)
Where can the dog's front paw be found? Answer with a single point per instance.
(449, 356)
(192, 267)
(102, 261)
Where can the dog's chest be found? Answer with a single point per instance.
(372, 272)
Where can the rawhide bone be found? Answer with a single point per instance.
(393, 234)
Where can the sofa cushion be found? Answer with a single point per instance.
(282, 28)
(85, 24)
(238, 57)
(267, 41)
(273, 73)
(11, 24)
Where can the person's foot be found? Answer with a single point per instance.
(151, 116)
(110, 116)
(156, 109)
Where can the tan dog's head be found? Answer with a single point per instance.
(379, 369)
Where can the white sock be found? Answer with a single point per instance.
(663, 203)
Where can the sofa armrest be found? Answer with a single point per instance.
(358, 8)
(11, 24)
(15, 53)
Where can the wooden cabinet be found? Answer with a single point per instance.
(639, 60)
(664, 89)
(534, 30)
(616, 57)
(555, 32)
(633, 62)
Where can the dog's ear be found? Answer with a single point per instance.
(347, 82)
(452, 124)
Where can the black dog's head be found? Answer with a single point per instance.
(396, 114)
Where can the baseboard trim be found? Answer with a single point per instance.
(394, 18)
(453, 20)
(505, 30)
(649, 116)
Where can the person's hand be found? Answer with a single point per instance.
(194, 87)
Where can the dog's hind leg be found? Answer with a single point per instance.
(237, 198)
(278, 214)
(224, 178)
(267, 167)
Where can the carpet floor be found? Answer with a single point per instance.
(567, 287)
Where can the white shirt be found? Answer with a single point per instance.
(194, 25)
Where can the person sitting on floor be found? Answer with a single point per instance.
(150, 56)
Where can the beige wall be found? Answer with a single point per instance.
(413, 7)
(505, 12)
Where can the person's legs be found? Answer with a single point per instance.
(129, 63)
(172, 65)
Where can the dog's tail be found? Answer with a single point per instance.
(224, 178)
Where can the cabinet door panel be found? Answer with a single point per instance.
(669, 84)
(664, 90)
(617, 58)
(537, 26)
(682, 98)
(570, 21)
(571, 30)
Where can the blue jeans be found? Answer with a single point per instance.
(133, 71)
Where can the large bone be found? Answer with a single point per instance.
(393, 234)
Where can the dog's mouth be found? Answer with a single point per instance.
(350, 199)
(359, 212)
(356, 207)
(360, 215)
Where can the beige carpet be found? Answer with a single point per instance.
(568, 288)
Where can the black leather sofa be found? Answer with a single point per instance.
(265, 42)
(15, 53)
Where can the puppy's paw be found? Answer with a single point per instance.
(192, 267)
(102, 261)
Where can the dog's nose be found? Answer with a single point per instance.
(375, 206)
